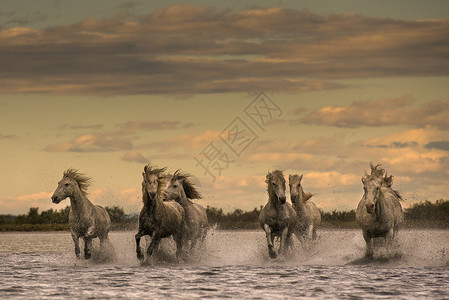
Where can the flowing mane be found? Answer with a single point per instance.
(377, 173)
(159, 172)
(82, 180)
(150, 170)
(189, 187)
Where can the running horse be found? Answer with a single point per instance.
(309, 216)
(379, 212)
(277, 218)
(86, 220)
(181, 189)
(158, 219)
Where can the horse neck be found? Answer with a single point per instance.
(183, 200)
(301, 203)
(151, 204)
(79, 202)
(381, 202)
(272, 198)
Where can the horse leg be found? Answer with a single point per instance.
(77, 244)
(270, 239)
(155, 239)
(179, 240)
(139, 253)
(87, 247)
(389, 240)
(284, 241)
(314, 236)
(369, 245)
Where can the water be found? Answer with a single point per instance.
(233, 265)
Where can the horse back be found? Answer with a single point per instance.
(315, 214)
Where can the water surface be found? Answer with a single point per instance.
(234, 264)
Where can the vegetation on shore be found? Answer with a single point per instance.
(421, 215)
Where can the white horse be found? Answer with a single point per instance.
(309, 216)
(379, 213)
(86, 220)
(277, 218)
(181, 189)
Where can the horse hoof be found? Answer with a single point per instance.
(272, 254)
(87, 255)
(140, 256)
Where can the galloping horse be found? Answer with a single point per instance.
(158, 219)
(86, 220)
(309, 216)
(181, 189)
(277, 218)
(379, 213)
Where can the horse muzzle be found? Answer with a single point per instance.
(294, 198)
(370, 208)
(282, 199)
(55, 199)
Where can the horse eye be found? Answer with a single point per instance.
(273, 183)
(175, 186)
(66, 184)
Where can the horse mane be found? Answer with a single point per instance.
(153, 170)
(377, 173)
(189, 188)
(274, 174)
(306, 196)
(82, 180)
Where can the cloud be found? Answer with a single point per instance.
(133, 156)
(7, 136)
(186, 49)
(91, 143)
(76, 127)
(381, 112)
(441, 145)
(134, 126)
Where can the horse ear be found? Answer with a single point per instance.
(143, 175)
(300, 177)
(289, 177)
(363, 180)
(389, 180)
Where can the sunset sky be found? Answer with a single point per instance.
(226, 93)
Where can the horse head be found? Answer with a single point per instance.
(371, 187)
(152, 180)
(71, 182)
(276, 186)
(179, 185)
(295, 187)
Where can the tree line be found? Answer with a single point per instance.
(424, 214)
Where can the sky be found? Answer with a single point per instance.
(226, 92)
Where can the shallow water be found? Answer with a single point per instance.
(234, 264)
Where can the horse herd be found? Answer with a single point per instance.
(169, 212)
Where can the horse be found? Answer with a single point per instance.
(379, 212)
(158, 219)
(277, 218)
(180, 188)
(309, 216)
(86, 220)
